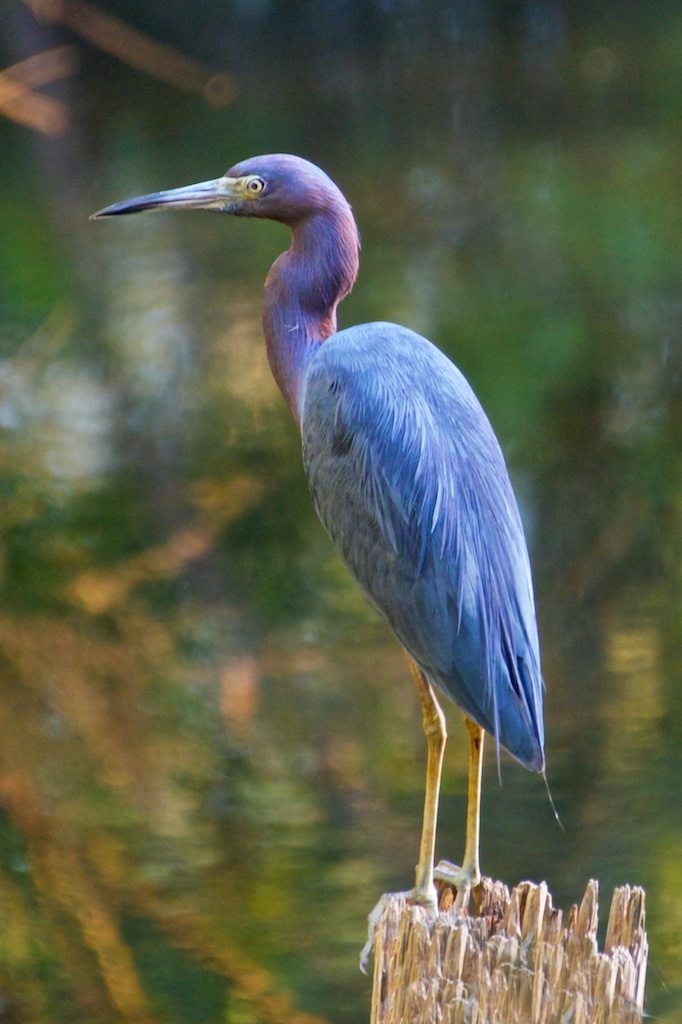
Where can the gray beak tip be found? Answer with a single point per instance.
(127, 206)
(108, 211)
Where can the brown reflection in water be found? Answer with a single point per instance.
(77, 734)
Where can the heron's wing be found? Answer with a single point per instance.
(409, 481)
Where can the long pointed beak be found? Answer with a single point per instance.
(206, 195)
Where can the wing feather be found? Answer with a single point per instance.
(409, 481)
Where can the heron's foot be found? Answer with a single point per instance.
(421, 896)
(463, 879)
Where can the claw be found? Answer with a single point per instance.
(446, 871)
(427, 899)
(372, 923)
(462, 879)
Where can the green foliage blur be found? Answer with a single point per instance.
(211, 761)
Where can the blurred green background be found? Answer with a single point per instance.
(211, 759)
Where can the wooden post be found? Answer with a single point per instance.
(511, 960)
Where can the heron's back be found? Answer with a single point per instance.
(409, 481)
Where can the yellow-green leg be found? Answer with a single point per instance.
(424, 892)
(464, 878)
(433, 720)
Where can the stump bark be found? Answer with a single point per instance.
(512, 959)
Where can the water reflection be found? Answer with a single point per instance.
(211, 758)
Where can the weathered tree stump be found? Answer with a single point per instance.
(511, 960)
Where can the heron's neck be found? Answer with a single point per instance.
(302, 290)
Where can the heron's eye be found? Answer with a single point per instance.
(255, 186)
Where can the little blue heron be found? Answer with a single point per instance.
(407, 477)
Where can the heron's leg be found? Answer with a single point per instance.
(464, 878)
(424, 892)
(433, 720)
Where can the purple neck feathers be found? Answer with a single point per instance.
(303, 289)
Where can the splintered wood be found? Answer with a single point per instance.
(512, 960)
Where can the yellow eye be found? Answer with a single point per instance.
(255, 186)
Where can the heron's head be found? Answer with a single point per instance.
(278, 187)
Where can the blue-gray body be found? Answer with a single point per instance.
(410, 483)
